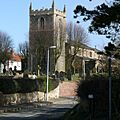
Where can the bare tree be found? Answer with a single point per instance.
(5, 47)
(76, 38)
(76, 33)
(23, 50)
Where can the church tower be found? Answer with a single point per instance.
(47, 28)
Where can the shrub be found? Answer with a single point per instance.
(25, 85)
(6, 86)
(98, 86)
(10, 85)
(53, 83)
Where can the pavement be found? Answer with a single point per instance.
(46, 110)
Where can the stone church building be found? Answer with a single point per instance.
(47, 28)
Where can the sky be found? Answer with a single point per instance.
(14, 18)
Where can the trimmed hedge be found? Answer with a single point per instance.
(98, 86)
(10, 85)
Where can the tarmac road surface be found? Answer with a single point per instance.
(43, 111)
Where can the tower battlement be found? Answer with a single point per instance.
(49, 11)
(41, 11)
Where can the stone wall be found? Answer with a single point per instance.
(19, 98)
(65, 89)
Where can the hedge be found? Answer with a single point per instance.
(98, 85)
(10, 85)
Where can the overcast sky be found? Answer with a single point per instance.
(14, 17)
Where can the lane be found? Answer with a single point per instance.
(46, 112)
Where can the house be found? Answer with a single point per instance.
(13, 63)
(81, 58)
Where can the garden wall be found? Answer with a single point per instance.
(19, 98)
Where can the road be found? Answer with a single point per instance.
(42, 112)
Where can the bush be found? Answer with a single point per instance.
(6, 86)
(25, 85)
(9, 85)
(98, 86)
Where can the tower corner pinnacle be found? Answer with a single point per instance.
(64, 10)
(30, 8)
(53, 5)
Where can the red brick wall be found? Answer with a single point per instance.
(68, 89)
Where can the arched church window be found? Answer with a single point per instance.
(39, 24)
(42, 23)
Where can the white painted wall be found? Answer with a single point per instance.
(1, 68)
(12, 64)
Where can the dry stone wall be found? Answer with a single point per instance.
(19, 98)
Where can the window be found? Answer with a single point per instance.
(42, 23)
(39, 24)
(72, 50)
(90, 54)
(80, 52)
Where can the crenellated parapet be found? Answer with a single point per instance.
(61, 13)
(41, 11)
(49, 11)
